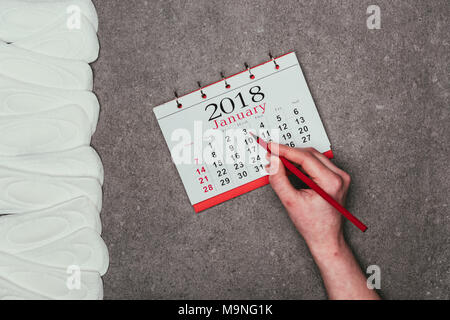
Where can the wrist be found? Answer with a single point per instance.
(329, 249)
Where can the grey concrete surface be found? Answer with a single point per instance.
(383, 96)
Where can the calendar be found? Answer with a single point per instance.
(208, 131)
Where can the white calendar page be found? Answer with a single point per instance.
(208, 131)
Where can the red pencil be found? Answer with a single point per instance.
(316, 188)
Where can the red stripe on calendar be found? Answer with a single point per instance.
(236, 192)
(231, 194)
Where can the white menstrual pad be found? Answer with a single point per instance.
(50, 178)
(20, 98)
(57, 40)
(20, 19)
(23, 192)
(61, 236)
(21, 279)
(79, 162)
(21, 232)
(84, 248)
(11, 291)
(49, 131)
(31, 67)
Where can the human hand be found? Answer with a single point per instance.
(319, 223)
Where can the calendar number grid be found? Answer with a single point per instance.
(276, 103)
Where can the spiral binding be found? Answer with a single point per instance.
(201, 90)
(227, 84)
(179, 105)
(252, 76)
(277, 66)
